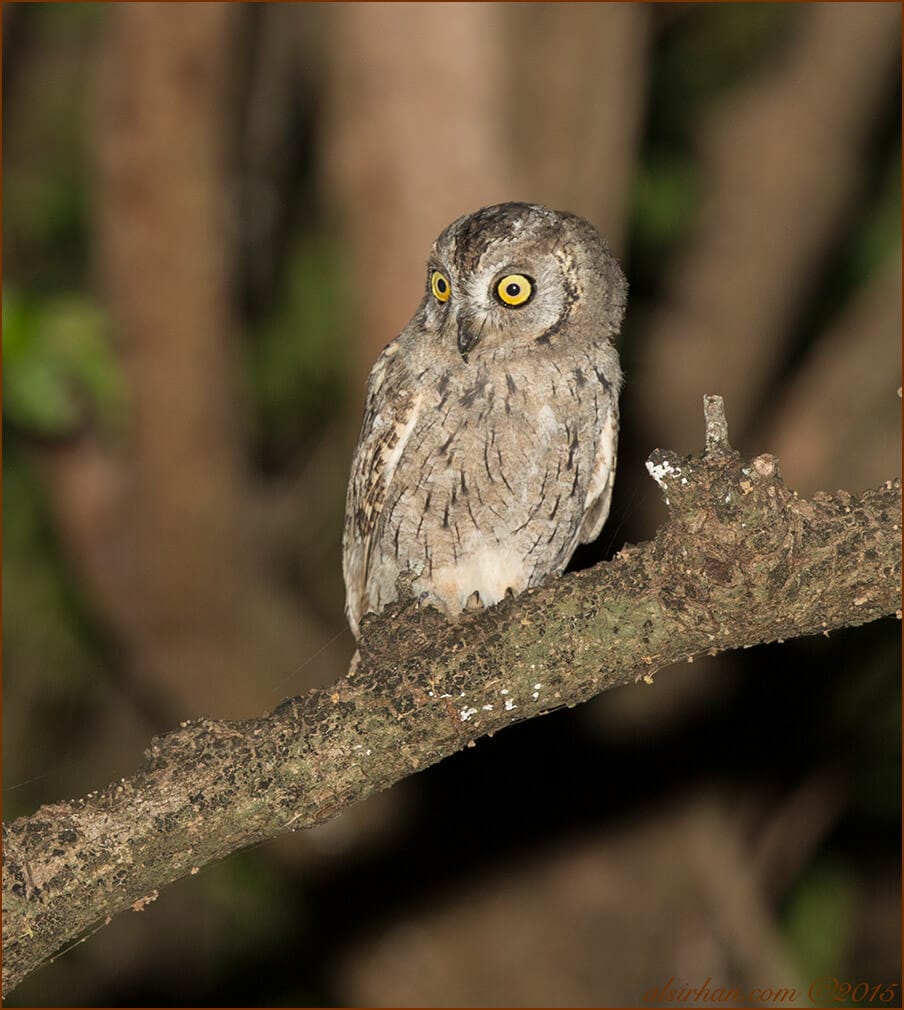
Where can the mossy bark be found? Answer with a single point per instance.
(742, 560)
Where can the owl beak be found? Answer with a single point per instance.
(467, 337)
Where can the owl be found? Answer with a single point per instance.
(487, 449)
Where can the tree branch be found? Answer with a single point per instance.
(742, 560)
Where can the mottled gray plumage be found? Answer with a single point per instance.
(487, 450)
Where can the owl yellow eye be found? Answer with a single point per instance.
(440, 286)
(515, 289)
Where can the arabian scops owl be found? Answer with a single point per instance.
(487, 450)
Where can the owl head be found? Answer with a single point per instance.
(518, 276)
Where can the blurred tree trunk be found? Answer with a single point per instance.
(403, 159)
(166, 267)
(781, 161)
(577, 927)
(162, 527)
(855, 371)
(574, 116)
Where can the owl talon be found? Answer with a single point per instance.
(509, 593)
(474, 601)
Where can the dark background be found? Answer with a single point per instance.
(215, 217)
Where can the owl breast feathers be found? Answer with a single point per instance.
(487, 450)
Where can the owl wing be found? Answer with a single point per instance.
(391, 411)
(602, 477)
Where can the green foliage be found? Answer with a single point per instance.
(295, 359)
(41, 623)
(664, 202)
(879, 234)
(75, 22)
(248, 898)
(867, 712)
(58, 362)
(878, 792)
(48, 640)
(45, 225)
(46, 144)
(697, 57)
(820, 918)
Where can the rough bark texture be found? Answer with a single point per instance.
(742, 560)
